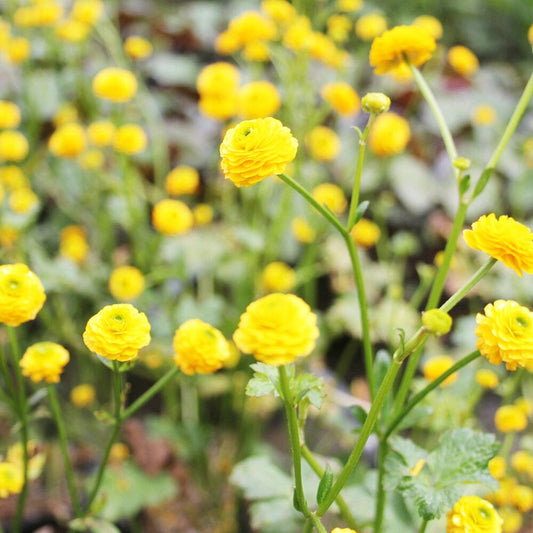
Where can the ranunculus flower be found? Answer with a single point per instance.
(472, 514)
(44, 361)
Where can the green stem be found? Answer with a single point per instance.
(22, 409)
(381, 494)
(150, 393)
(358, 173)
(446, 135)
(519, 111)
(117, 398)
(56, 412)
(426, 390)
(423, 526)
(357, 272)
(364, 435)
(507, 445)
(319, 471)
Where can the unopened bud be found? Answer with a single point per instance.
(461, 163)
(437, 322)
(375, 103)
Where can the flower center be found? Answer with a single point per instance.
(522, 321)
(484, 512)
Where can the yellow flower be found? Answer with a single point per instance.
(13, 146)
(505, 333)
(130, 139)
(203, 214)
(341, 97)
(436, 366)
(172, 217)
(389, 135)
(375, 103)
(44, 361)
(530, 35)
(497, 467)
(472, 514)
(65, 114)
(258, 99)
(226, 43)
(182, 180)
(252, 26)
(365, 233)
(276, 329)
(521, 497)
(463, 60)
(126, 283)
(298, 33)
(92, 159)
(278, 277)
(17, 50)
(486, 378)
(117, 332)
(343, 530)
(23, 200)
(431, 24)
(119, 452)
(101, 133)
(199, 348)
(138, 47)
(370, 26)
(522, 461)
(323, 143)
(218, 106)
(216, 78)
(280, 11)
(349, 5)
(83, 395)
(9, 115)
(512, 520)
(73, 243)
(87, 11)
(72, 31)
(484, 115)
(339, 27)
(13, 178)
(389, 49)
(115, 84)
(504, 239)
(21, 294)
(510, 418)
(68, 141)
(11, 479)
(256, 149)
(302, 231)
(330, 195)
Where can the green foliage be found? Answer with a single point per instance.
(460, 459)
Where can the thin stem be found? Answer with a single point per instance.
(445, 133)
(22, 409)
(426, 390)
(357, 272)
(423, 526)
(519, 111)
(319, 471)
(117, 398)
(381, 494)
(56, 412)
(294, 437)
(364, 435)
(358, 173)
(150, 393)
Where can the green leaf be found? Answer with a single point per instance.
(264, 381)
(259, 478)
(464, 184)
(310, 387)
(359, 413)
(324, 487)
(360, 211)
(414, 416)
(460, 459)
(127, 490)
(482, 182)
(93, 525)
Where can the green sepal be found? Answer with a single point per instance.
(324, 487)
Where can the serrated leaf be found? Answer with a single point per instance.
(360, 211)
(461, 458)
(482, 182)
(264, 381)
(310, 387)
(259, 478)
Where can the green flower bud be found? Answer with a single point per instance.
(375, 103)
(461, 163)
(437, 322)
